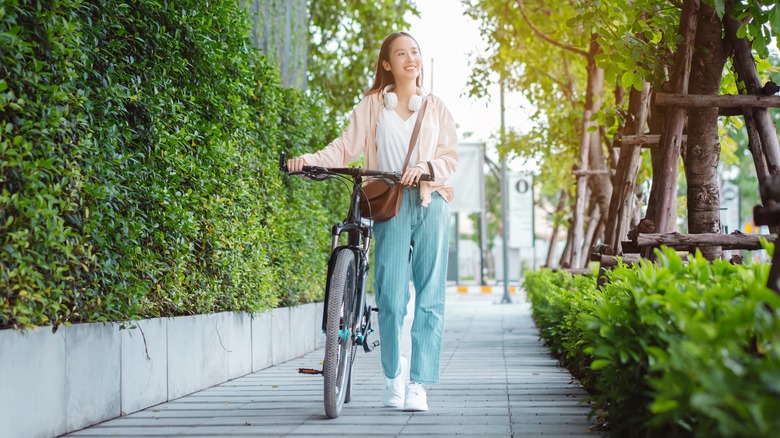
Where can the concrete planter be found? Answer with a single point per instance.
(55, 383)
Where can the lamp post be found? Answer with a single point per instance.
(504, 208)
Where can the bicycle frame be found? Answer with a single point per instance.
(359, 236)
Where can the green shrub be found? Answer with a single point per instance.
(674, 349)
(139, 145)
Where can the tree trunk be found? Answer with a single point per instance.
(622, 203)
(664, 189)
(566, 255)
(592, 104)
(702, 153)
(600, 184)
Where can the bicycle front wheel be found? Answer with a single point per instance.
(339, 332)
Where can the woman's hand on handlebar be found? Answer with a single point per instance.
(411, 178)
(295, 164)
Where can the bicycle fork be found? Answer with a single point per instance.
(360, 327)
(363, 310)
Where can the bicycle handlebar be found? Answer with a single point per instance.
(318, 171)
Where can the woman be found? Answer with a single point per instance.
(380, 128)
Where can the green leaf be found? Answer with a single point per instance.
(720, 7)
(638, 83)
(599, 364)
(627, 80)
(661, 406)
(774, 20)
(742, 31)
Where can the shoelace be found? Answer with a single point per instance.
(417, 389)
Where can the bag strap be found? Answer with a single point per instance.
(415, 132)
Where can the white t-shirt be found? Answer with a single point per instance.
(392, 140)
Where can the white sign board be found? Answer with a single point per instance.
(469, 179)
(521, 210)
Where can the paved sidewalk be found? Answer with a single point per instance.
(497, 380)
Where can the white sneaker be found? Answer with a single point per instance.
(416, 398)
(393, 394)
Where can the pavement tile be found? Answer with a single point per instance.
(497, 380)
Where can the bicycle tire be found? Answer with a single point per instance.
(352, 356)
(339, 331)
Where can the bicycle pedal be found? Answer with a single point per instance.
(310, 371)
(368, 348)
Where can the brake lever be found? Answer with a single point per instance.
(318, 176)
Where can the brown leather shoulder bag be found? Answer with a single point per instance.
(381, 201)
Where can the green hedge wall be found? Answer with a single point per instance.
(139, 177)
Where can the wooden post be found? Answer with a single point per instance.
(735, 240)
(761, 127)
(671, 139)
(595, 172)
(554, 238)
(765, 126)
(595, 223)
(769, 215)
(565, 260)
(720, 101)
(611, 261)
(756, 149)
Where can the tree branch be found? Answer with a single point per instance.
(545, 37)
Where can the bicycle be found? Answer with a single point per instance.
(346, 319)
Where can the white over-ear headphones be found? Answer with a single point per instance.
(391, 100)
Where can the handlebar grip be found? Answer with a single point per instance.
(283, 162)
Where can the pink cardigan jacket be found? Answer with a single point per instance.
(437, 144)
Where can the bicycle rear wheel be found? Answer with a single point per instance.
(339, 331)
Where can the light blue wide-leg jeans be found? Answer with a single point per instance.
(417, 239)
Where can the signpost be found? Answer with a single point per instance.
(521, 210)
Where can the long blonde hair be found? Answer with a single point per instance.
(382, 77)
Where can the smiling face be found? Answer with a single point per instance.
(399, 60)
(404, 60)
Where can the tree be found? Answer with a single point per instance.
(344, 41)
(701, 154)
(569, 87)
(635, 41)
